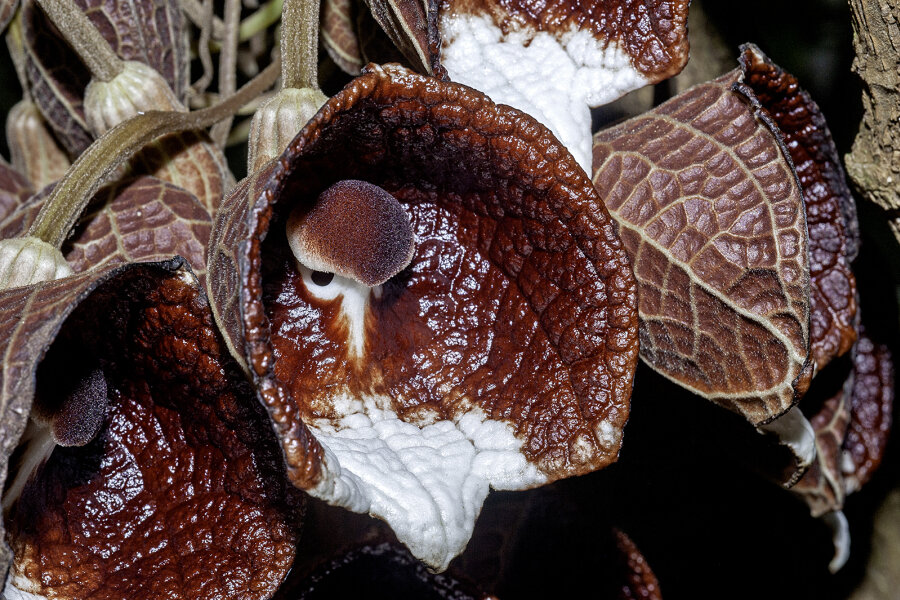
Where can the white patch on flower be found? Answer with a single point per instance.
(553, 77)
(354, 301)
(16, 586)
(428, 480)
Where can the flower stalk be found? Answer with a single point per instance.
(96, 164)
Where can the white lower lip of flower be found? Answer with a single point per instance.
(15, 586)
(428, 480)
(553, 77)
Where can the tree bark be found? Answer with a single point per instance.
(874, 162)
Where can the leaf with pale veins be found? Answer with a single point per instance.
(712, 215)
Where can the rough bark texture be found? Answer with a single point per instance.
(874, 162)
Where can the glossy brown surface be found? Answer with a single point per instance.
(712, 215)
(830, 208)
(183, 494)
(519, 299)
(641, 583)
(652, 32)
(30, 319)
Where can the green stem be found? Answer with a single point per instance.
(95, 165)
(227, 67)
(300, 44)
(92, 48)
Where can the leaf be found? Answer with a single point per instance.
(554, 60)
(7, 11)
(412, 26)
(511, 337)
(149, 31)
(822, 487)
(183, 494)
(710, 211)
(339, 35)
(133, 220)
(14, 189)
(57, 80)
(830, 209)
(189, 160)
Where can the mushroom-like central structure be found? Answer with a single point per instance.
(355, 229)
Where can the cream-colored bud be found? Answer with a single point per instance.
(28, 260)
(138, 88)
(278, 121)
(33, 150)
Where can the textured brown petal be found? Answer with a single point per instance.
(150, 31)
(134, 220)
(30, 318)
(14, 189)
(653, 33)
(830, 208)
(641, 583)
(871, 406)
(339, 34)
(711, 212)
(517, 311)
(487, 188)
(183, 494)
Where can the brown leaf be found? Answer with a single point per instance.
(150, 31)
(133, 220)
(189, 160)
(30, 318)
(830, 208)
(339, 35)
(141, 220)
(822, 486)
(57, 79)
(518, 304)
(14, 189)
(710, 211)
(871, 406)
(7, 11)
(183, 494)
(412, 26)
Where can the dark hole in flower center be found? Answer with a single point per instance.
(321, 278)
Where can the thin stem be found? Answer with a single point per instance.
(300, 44)
(227, 66)
(95, 165)
(259, 20)
(92, 48)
